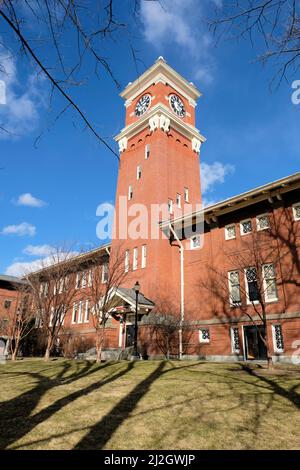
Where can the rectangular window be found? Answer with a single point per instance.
(62, 316)
(77, 283)
(90, 278)
(204, 336)
(186, 194)
(234, 287)
(87, 312)
(74, 314)
(135, 259)
(252, 284)
(104, 273)
(230, 232)
(170, 206)
(195, 242)
(246, 227)
(138, 172)
(235, 342)
(80, 312)
(130, 193)
(51, 317)
(277, 338)
(147, 151)
(83, 280)
(296, 211)
(144, 256)
(61, 285)
(178, 200)
(127, 255)
(262, 222)
(270, 287)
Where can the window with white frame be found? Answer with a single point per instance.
(138, 172)
(104, 273)
(51, 317)
(144, 256)
(246, 226)
(195, 242)
(87, 312)
(230, 232)
(277, 335)
(262, 222)
(130, 193)
(186, 194)
(78, 280)
(61, 283)
(80, 312)
(62, 316)
(147, 151)
(269, 278)
(170, 206)
(204, 336)
(135, 259)
(252, 284)
(90, 277)
(74, 313)
(83, 280)
(235, 341)
(127, 257)
(178, 200)
(296, 211)
(234, 287)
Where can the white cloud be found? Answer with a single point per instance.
(20, 230)
(180, 23)
(213, 174)
(21, 268)
(18, 109)
(27, 199)
(38, 250)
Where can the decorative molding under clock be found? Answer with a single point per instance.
(159, 121)
(123, 144)
(196, 145)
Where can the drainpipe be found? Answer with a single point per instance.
(181, 251)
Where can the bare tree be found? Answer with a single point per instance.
(165, 324)
(257, 263)
(32, 28)
(276, 22)
(52, 291)
(107, 277)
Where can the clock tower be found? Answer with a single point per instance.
(159, 165)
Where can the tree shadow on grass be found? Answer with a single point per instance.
(16, 414)
(100, 434)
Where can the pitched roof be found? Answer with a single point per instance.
(11, 279)
(130, 296)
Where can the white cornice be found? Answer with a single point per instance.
(161, 72)
(176, 123)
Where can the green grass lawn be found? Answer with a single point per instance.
(148, 405)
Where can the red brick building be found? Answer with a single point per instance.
(216, 268)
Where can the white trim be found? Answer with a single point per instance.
(170, 206)
(147, 151)
(86, 320)
(138, 172)
(297, 204)
(226, 232)
(277, 350)
(104, 272)
(127, 261)
(178, 200)
(266, 214)
(241, 227)
(234, 304)
(275, 299)
(74, 320)
(135, 259)
(233, 350)
(201, 339)
(130, 192)
(80, 312)
(192, 247)
(186, 194)
(249, 302)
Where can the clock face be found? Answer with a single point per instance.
(142, 105)
(177, 105)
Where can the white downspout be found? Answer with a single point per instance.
(181, 251)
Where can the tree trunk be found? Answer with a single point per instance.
(14, 355)
(48, 348)
(98, 348)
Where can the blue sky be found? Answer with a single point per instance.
(252, 133)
